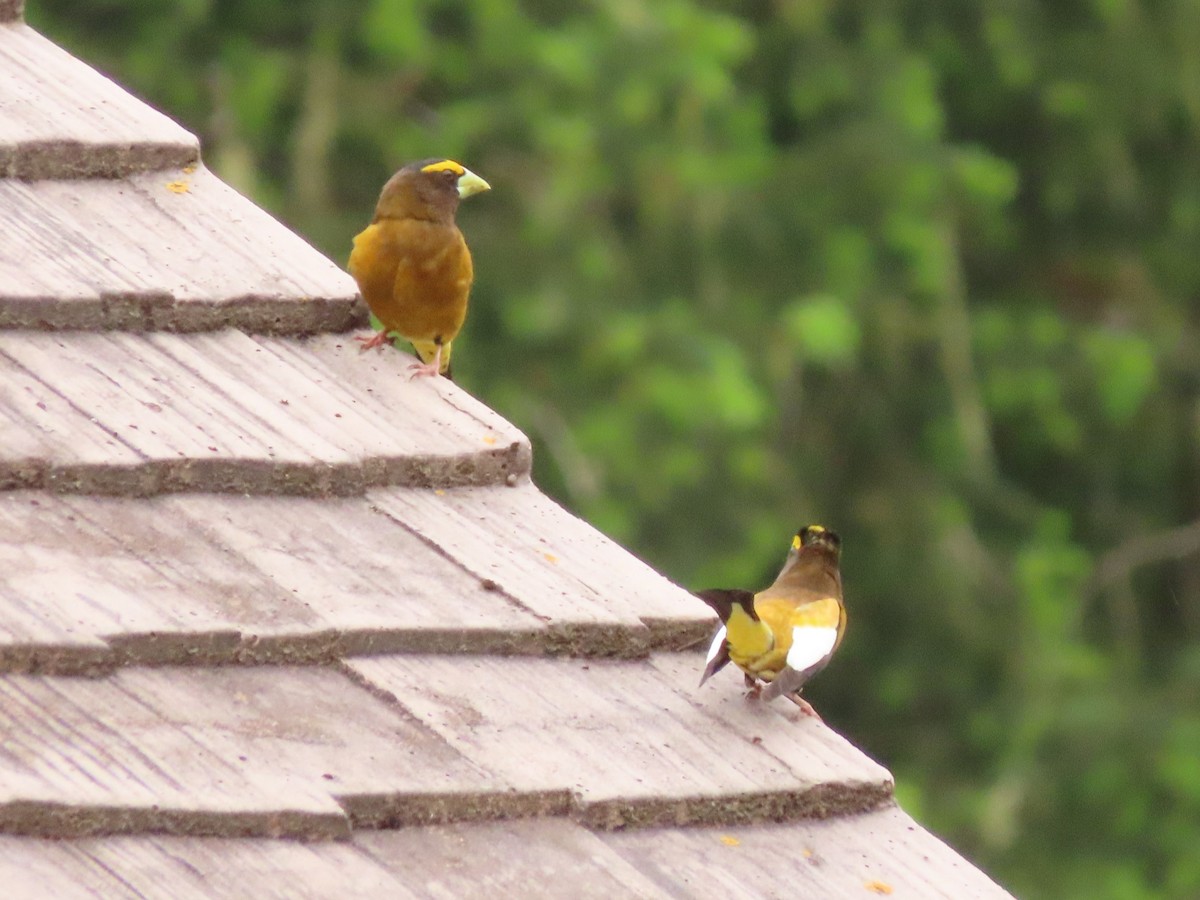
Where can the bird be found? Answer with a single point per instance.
(786, 633)
(412, 264)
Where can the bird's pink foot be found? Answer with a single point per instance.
(805, 706)
(421, 370)
(378, 339)
(433, 367)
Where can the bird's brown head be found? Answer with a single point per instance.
(428, 190)
(819, 539)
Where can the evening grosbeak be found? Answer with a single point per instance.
(785, 634)
(412, 264)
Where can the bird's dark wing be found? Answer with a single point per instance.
(722, 601)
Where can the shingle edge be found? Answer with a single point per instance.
(492, 467)
(35, 818)
(63, 160)
(149, 311)
(409, 809)
(821, 801)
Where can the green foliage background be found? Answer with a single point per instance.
(924, 271)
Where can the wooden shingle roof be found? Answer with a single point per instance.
(277, 621)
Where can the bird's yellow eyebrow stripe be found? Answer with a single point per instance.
(798, 540)
(443, 166)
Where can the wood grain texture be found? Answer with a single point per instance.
(85, 756)
(139, 255)
(858, 856)
(59, 118)
(263, 751)
(153, 867)
(555, 564)
(848, 856)
(142, 414)
(527, 858)
(197, 579)
(854, 857)
(629, 741)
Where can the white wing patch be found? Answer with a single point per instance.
(810, 645)
(717, 643)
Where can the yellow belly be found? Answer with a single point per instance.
(415, 277)
(754, 647)
(761, 648)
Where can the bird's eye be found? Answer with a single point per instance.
(450, 175)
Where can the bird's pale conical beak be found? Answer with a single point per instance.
(469, 183)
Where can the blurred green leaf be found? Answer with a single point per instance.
(824, 329)
(1126, 371)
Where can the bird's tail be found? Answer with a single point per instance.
(718, 655)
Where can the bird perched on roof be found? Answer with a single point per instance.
(785, 634)
(412, 264)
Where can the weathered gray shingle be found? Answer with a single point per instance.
(172, 249)
(141, 414)
(143, 867)
(631, 741)
(201, 577)
(62, 119)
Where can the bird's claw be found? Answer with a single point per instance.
(422, 370)
(378, 339)
(805, 706)
(427, 369)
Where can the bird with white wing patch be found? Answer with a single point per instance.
(785, 634)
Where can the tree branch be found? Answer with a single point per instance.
(1119, 564)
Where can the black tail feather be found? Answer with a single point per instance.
(722, 601)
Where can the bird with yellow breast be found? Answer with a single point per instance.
(786, 633)
(412, 264)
